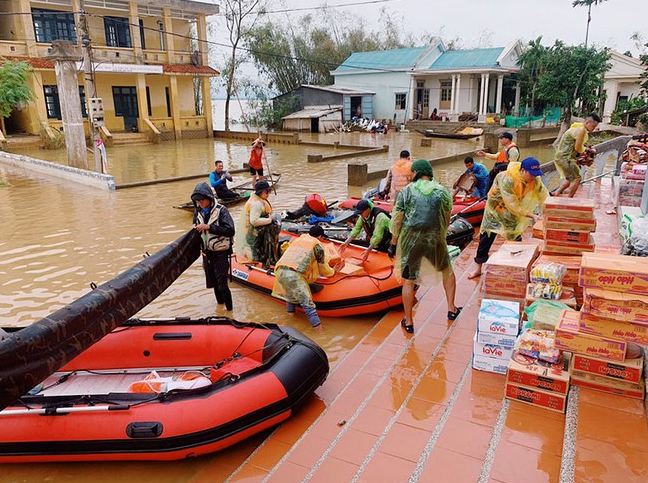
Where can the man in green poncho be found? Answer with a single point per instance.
(375, 222)
(419, 226)
(571, 146)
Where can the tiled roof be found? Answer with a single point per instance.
(382, 59)
(462, 59)
(189, 69)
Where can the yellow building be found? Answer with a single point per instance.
(150, 63)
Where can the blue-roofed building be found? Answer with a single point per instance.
(432, 82)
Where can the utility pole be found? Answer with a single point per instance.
(90, 88)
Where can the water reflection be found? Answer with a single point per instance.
(57, 237)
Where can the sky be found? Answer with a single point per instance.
(495, 23)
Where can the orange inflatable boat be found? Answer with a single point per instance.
(164, 390)
(360, 288)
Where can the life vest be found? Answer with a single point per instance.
(255, 158)
(211, 242)
(248, 206)
(401, 176)
(316, 203)
(370, 223)
(299, 256)
(503, 156)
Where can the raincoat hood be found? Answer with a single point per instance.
(421, 167)
(202, 190)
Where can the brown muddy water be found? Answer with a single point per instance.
(57, 237)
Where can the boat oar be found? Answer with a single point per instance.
(598, 176)
(265, 158)
(65, 410)
(456, 215)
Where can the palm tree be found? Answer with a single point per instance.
(589, 3)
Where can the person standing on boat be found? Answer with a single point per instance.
(375, 222)
(509, 152)
(218, 180)
(515, 195)
(216, 227)
(480, 173)
(419, 227)
(399, 176)
(257, 228)
(256, 160)
(300, 265)
(571, 146)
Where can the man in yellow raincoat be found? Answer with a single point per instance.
(301, 264)
(571, 146)
(512, 200)
(419, 226)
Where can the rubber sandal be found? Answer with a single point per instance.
(408, 328)
(454, 315)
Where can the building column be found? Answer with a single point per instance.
(168, 34)
(486, 93)
(24, 8)
(140, 86)
(207, 106)
(482, 85)
(203, 47)
(457, 102)
(410, 104)
(136, 39)
(612, 88)
(500, 88)
(453, 95)
(516, 107)
(175, 106)
(37, 109)
(470, 92)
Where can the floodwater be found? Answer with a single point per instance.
(57, 237)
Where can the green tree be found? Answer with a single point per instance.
(240, 18)
(571, 74)
(531, 67)
(14, 91)
(588, 3)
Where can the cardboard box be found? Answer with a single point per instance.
(572, 262)
(617, 329)
(572, 236)
(496, 339)
(519, 300)
(570, 338)
(569, 207)
(499, 317)
(566, 223)
(602, 383)
(538, 229)
(495, 351)
(610, 271)
(553, 402)
(628, 307)
(501, 286)
(512, 261)
(629, 370)
(489, 364)
(568, 248)
(529, 372)
(567, 296)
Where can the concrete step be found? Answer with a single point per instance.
(120, 139)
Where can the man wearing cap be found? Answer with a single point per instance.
(480, 173)
(419, 227)
(399, 176)
(375, 222)
(218, 180)
(216, 228)
(571, 146)
(300, 265)
(508, 153)
(515, 195)
(257, 225)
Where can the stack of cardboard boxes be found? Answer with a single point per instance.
(506, 276)
(568, 224)
(614, 315)
(631, 184)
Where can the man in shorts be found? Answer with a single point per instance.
(419, 226)
(571, 146)
(256, 161)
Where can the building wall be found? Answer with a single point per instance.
(385, 85)
(314, 97)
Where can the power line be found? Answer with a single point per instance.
(326, 7)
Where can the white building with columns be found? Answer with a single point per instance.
(622, 82)
(420, 82)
